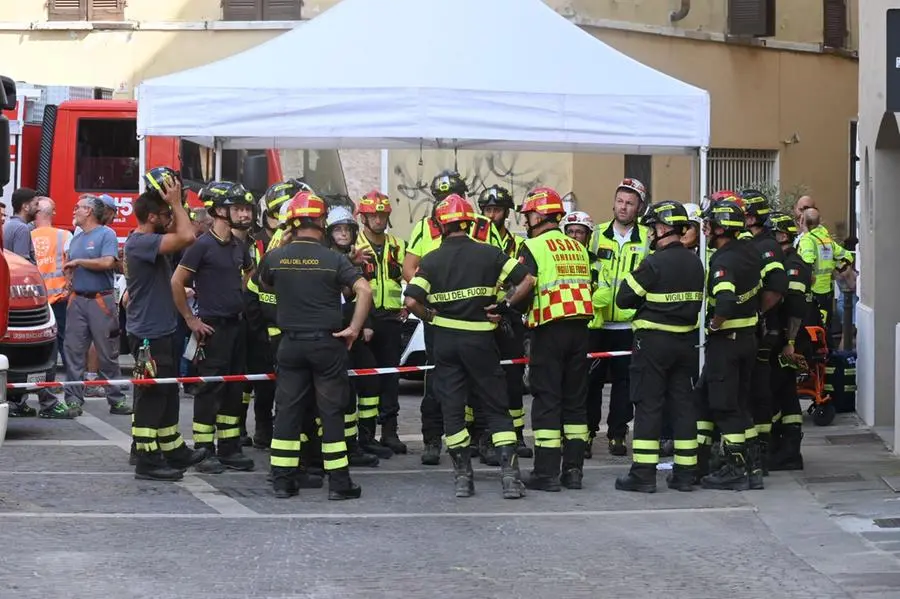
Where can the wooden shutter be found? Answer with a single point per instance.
(282, 10)
(242, 10)
(834, 29)
(106, 10)
(67, 10)
(754, 18)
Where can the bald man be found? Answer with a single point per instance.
(802, 204)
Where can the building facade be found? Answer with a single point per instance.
(782, 82)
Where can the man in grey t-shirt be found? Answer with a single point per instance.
(151, 322)
(16, 231)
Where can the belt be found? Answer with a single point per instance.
(93, 294)
(222, 319)
(307, 335)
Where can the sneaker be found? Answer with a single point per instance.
(60, 411)
(121, 409)
(22, 410)
(617, 446)
(94, 391)
(76, 408)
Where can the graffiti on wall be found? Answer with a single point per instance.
(517, 171)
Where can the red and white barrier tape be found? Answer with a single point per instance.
(250, 378)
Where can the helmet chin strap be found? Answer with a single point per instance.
(656, 238)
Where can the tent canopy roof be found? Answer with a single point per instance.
(495, 74)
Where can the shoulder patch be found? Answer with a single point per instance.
(719, 273)
(769, 254)
(793, 272)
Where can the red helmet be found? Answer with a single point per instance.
(726, 195)
(544, 201)
(374, 202)
(454, 209)
(305, 205)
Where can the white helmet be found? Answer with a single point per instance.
(577, 218)
(694, 213)
(339, 215)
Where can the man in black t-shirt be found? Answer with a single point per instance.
(151, 322)
(308, 278)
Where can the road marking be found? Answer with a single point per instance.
(106, 430)
(61, 443)
(381, 515)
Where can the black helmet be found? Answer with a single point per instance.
(225, 193)
(669, 212)
(495, 196)
(781, 223)
(725, 215)
(157, 178)
(446, 183)
(755, 204)
(282, 192)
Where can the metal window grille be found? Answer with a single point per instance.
(734, 169)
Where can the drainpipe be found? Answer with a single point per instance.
(677, 15)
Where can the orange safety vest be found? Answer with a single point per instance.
(49, 251)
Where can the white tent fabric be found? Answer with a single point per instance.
(490, 74)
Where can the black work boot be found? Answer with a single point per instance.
(716, 456)
(572, 464)
(754, 464)
(432, 454)
(545, 476)
(682, 478)
(133, 454)
(153, 466)
(359, 458)
(463, 475)
(487, 451)
(788, 456)
(284, 483)
(764, 440)
(341, 487)
(368, 443)
(232, 456)
(510, 476)
(390, 438)
(704, 453)
(774, 442)
(732, 476)
(210, 463)
(617, 446)
(522, 449)
(640, 479)
(589, 447)
(183, 457)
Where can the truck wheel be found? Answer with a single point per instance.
(45, 158)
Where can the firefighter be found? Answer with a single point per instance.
(495, 202)
(308, 278)
(666, 291)
(774, 287)
(384, 271)
(620, 244)
(557, 316)
(341, 233)
(214, 263)
(732, 290)
(426, 237)
(788, 418)
(460, 303)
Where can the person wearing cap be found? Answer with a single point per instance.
(666, 291)
(621, 244)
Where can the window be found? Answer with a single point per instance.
(834, 27)
(106, 158)
(261, 10)
(752, 18)
(86, 10)
(736, 169)
(639, 167)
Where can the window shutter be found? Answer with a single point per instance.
(106, 10)
(834, 29)
(754, 18)
(67, 10)
(282, 10)
(242, 10)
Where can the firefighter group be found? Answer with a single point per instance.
(312, 286)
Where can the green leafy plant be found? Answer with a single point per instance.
(782, 200)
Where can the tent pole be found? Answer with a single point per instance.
(142, 162)
(217, 144)
(704, 154)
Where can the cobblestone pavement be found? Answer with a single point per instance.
(76, 525)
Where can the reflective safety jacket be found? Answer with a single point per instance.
(262, 306)
(620, 261)
(50, 254)
(602, 295)
(426, 235)
(824, 254)
(385, 271)
(563, 270)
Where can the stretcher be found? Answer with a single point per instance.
(811, 372)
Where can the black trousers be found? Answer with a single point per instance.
(558, 379)
(785, 402)
(218, 406)
(432, 419)
(761, 386)
(305, 362)
(363, 389)
(725, 384)
(261, 360)
(385, 346)
(511, 342)
(616, 372)
(156, 407)
(662, 368)
(467, 363)
(824, 302)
